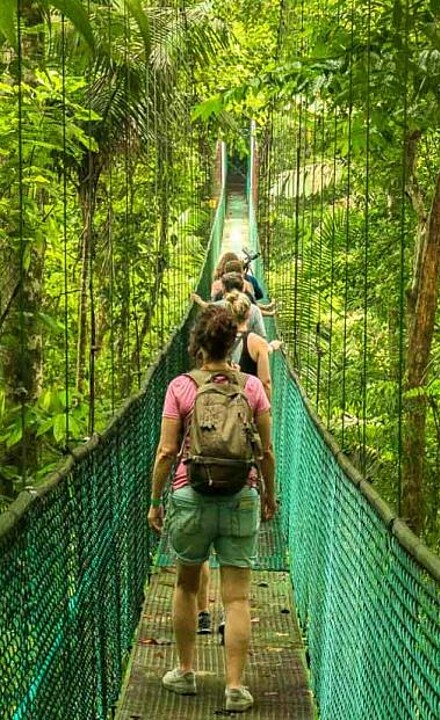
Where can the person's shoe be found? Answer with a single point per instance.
(238, 699)
(180, 682)
(204, 626)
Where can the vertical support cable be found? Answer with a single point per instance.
(364, 379)
(92, 177)
(332, 271)
(309, 362)
(319, 348)
(65, 253)
(347, 226)
(402, 277)
(332, 256)
(127, 369)
(22, 390)
(110, 237)
(297, 259)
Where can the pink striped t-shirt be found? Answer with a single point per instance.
(179, 401)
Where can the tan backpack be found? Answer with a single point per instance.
(222, 441)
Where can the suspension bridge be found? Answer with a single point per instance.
(108, 220)
(77, 561)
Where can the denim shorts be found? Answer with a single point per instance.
(230, 524)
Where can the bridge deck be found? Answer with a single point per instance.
(276, 671)
(236, 227)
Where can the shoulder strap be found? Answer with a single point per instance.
(199, 376)
(242, 379)
(238, 338)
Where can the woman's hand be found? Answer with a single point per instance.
(155, 519)
(268, 508)
(275, 345)
(198, 300)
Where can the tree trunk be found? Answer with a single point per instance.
(421, 329)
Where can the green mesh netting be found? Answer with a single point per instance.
(367, 591)
(369, 609)
(74, 557)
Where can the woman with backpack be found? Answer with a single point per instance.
(214, 500)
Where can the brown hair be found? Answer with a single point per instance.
(240, 305)
(214, 332)
(220, 269)
(232, 281)
(235, 266)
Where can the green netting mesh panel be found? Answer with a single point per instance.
(370, 610)
(74, 557)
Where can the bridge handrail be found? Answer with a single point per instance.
(75, 553)
(367, 590)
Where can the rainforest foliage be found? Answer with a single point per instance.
(105, 197)
(109, 116)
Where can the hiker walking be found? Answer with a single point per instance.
(223, 418)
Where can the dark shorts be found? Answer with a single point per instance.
(230, 524)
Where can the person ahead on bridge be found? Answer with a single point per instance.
(237, 266)
(220, 270)
(196, 521)
(250, 351)
(234, 281)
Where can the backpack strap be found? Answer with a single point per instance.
(238, 339)
(201, 376)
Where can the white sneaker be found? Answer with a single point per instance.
(180, 682)
(238, 699)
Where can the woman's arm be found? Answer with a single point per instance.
(259, 352)
(166, 454)
(264, 426)
(216, 289)
(198, 300)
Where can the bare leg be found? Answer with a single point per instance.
(185, 613)
(235, 584)
(202, 595)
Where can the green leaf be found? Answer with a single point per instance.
(15, 435)
(74, 427)
(59, 427)
(44, 426)
(52, 323)
(209, 107)
(142, 22)
(7, 24)
(75, 12)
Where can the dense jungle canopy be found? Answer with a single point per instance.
(110, 113)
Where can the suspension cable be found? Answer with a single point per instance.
(347, 228)
(364, 377)
(402, 271)
(65, 244)
(22, 390)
